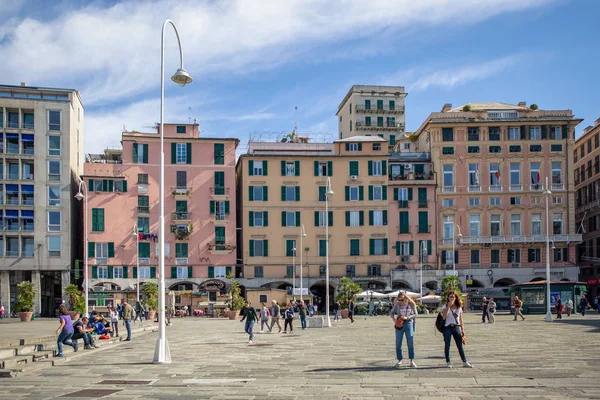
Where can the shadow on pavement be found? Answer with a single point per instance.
(593, 323)
(372, 369)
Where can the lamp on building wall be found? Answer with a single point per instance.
(547, 194)
(162, 353)
(328, 192)
(80, 196)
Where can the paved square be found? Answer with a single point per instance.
(212, 360)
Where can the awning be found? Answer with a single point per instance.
(27, 189)
(12, 136)
(27, 137)
(27, 214)
(12, 188)
(12, 213)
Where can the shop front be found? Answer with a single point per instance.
(533, 294)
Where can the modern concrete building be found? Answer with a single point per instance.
(281, 187)
(41, 142)
(200, 213)
(587, 184)
(372, 111)
(490, 164)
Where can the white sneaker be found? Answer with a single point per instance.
(262, 331)
(467, 365)
(398, 364)
(249, 341)
(448, 365)
(412, 364)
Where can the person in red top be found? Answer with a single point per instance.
(518, 306)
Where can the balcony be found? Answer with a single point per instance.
(410, 156)
(520, 239)
(474, 188)
(144, 260)
(423, 229)
(28, 148)
(536, 188)
(448, 189)
(221, 247)
(516, 188)
(495, 188)
(447, 241)
(180, 191)
(405, 259)
(143, 210)
(27, 199)
(219, 216)
(219, 191)
(397, 109)
(422, 203)
(558, 186)
(393, 126)
(589, 206)
(182, 216)
(12, 199)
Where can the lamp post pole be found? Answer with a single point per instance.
(422, 249)
(302, 234)
(137, 252)
(162, 353)
(86, 278)
(328, 192)
(294, 273)
(547, 194)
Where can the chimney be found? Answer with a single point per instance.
(597, 122)
(522, 104)
(23, 84)
(587, 128)
(447, 107)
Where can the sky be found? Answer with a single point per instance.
(261, 66)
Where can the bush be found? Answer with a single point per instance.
(76, 299)
(25, 297)
(467, 108)
(150, 292)
(236, 301)
(533, 107)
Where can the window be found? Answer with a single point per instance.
(377, 168)
(374, 270)
(475, 257)
(474, 225)
(494, 134)
(534, 255)
(97, 219)
(474, 177)
(515, 201)
(181, 153)
(53, 120)
(495, 258)
(447, 134)
(514, 149)
(181, 179)
(142, 178)
(258, 271)
(495, 225)
(556, 134)
(447, 150)
(118, 272)
(378, 247)
(352, 146)
(495, 177)
(535, 148)
(350, 271)
(514, 134)
(323, 168)
(515, 176)
(53, 170)
(557, 200)
(322, 248)
(290, 193)
(54, 246)
(557, 183)
(144, 273)
(54, 196)
(140, 153)
(320, 218)
(377, 193)
(534, 169)
(378, 217)
(290, 168)
(515, 225)
(423, 222)
(495, 201)
(557, 224)
(54, 221)
(355, 247)
(258, 168)
(448, 202)
(561, 254)
(258, 193)
(474, 201)
(353, 170)
(54, 145)
(514, 255)
(536, 224)
(354, 218)
(143, 224)
(181, 128)
(102, 272)
(448, 176)
(376, 146)
(289, 218)
(495, 149)
(404, 222)
(380, 122)
(448, 226)
(258, 218)
(259, 248)
(354, 193)
(473, 134)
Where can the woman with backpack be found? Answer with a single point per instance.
(403, 314)
(289, 317)
(453, 327)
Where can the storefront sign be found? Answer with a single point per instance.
(592, 281)
(213, 285)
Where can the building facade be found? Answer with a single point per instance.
(372, 111)
(41, 142)
(587, 185)
(491, 162)
(200, 213)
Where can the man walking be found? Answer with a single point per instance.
(275, 315)
(558, 307)
(484, 306)
(250, 317)
(583, 304)
(127, 314)
(336, 311)
(302, 313)
(518, 305)
(351, 310)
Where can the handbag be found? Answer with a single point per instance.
(399, 323)
(440, 323)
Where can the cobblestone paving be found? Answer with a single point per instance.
(212, 360)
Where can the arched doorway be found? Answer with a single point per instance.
(376, 286)
(182, 286)
(401, 285)
(504, 282)
(476, 284)
(318, 292)
(431, 285)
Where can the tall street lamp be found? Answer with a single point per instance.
(302, 235)
(423, 252)
(294, 273)
(136, 233)
(547, 194)
(80, 196)
(454, 251)
(162, 353)
(328, 192)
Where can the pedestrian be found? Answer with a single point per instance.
(275, 315)
(583, 304)
(289, 317)
(127, 315)
(452, 312)
(484, 307)
(311, 310)
(120, 311)
(265, 315)
(250, 317)
(65, 330)
(351, 310)
(518, 306)
(138, 311)
(114, 322)
(146, 310)
(558, 306)
(403, 314)
(569, 307)
(82, 332)
(185, 311)
(336, 311)
(597, 301)
(491, 310)
(302, 313)
(316, 309)
(1, 311)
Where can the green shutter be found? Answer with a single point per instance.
(316, 218)
(283, 215)
(212, 206)
(411, 248)
(124, 186)
(188, 153)
(354, 247)
(347, 218)
(91, 249)
(227, 271)
(347, 193)
(316, 168)
(410, 194)
(265, 164)
(347, 146)
(523, 132)
(282, 167)
(265, 193)
(361, 218)
(283, 193)
(384, 192)
(384, 167)
(250, 169)
(105, 185)
(152, 272)
(190, 272)
(174, 272)
(330, 218)
(250, 193)
(181, 206)
(289, 246)
(111, 185)
(385, 246)
(297, 218)
(125, 272)
(250, 218)
(370, 168)
(423, 222)
(371, 246)
(565, 131)
(360, 146)
(134, 272)
(144, 250)
(219, 153)
(94, 272)
(251, 251)
(404, 226)
(370, 217)
(385, 217)
(361, 193)
(397, 248)
(211, 272)
(297, 168)
(135, 153)
(91, 185)
(329, 168)
(266, 248)
(429, 244)
(111, 249)
(227, 207)
(543, 129)
(322, 248)
(297, 193)
(173, 153)
(370, 192)
(265, 218)
(145, 154)
(395, 193)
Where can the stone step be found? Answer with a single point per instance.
(16, 361)
(7, 352)
(30, 348)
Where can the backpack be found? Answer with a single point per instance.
(440, 323)
(520, 303)
(289, 313)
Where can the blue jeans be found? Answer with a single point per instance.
(336, 315)
(249, 326)
(64, 337)
(303, 321)
(128, 327)
(449, 333)
(407, 329)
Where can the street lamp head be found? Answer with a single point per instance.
(459, 234)
(181, 77)
(79, 196)
(547, 192)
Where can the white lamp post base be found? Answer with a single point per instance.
(548, 317)
(328, 321)
(158, 354)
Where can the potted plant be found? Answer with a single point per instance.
(346, 292)
(77, 301)
(236, 301)
(449, 282)
(25, 302)
(150, 292)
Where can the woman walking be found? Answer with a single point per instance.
(65, 330)
(403, 314)
(491, 310)
(351, 310)
(289, 317)
(569, 307)
(114, 321)
(452, 313)
(265, 315)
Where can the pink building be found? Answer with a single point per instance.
(200, 225)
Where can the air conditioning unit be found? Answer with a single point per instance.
(99, 288)
(354, 177)
(408, 166)
(181, 287)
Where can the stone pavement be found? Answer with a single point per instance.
(212, 360)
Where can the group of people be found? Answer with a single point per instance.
(489, 309)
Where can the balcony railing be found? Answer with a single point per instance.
(28, 151)
(12, 253)
(405, 259)
(12, 201)
(448, 189)
(181, 261)
(447, 241)
(394, 109)
(144, 260)
(219, 191)
(592, 259)
(536, 188)
(422, 203)
(516, 188)
(411, 176)
(495, 188)
(27, 125)
(589, 206)
(219, 216)
(474, 188)
(410, 155)
(13, 125)
(181, 216)
(181, 191)
(386, 125)
(27, 201)
(519, 239)
(143, 210)
(558, 186)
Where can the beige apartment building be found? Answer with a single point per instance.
(282, 186)
(491, 161)
(587, 185)
(372, 111)
(41, 147)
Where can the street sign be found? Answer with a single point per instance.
(304, 292)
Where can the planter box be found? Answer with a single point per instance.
(234, 314)
(344, 313)
(315, 322)
(25, 316)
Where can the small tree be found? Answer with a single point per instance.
(533, 106)
(467, 108)
(449, 282)
(76, 299)
(150, 292)
(236, 301)
(346, 291)
(25, 297)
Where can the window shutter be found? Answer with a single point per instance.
(370, 168)
(227, 271)
(250, 218)
(153, 272)
(316, 218)
(135, 153)
(145, 154)
(250, 169)
(397, 248)
(410, 194)
(212, 206)
(523, 132)
(94, 272)
(455, 256)
(283, 218)
(174, 272)
(124, 186)
(543, 129)
(565, 131)
(105, 185)
(211, 270)
(370, 217)
(347, 146)
(101, 219)
(289, 245)
(111, 185)
(227, 207)
(111, 249)
(385, 246)
(251, 250)
(265, 218)
(266, 248)
(361, 217)
(297, 218)
(297, 168)
(125, 272)
(173, 153)
(429, 247)
(384, 167)
(283, 193)
(316, 168)
(329, 168)
(134, 272)
(188, 153)
(91, 185)
(371, 246)
(347, 218)
(265, 165)
(360, 147)
(347, 193)
(190, 272)
(297, 193)
(265, 193)
(322, 248)
(411, 248)
(91, 250)
(370, 192)
(282, 167)
(384, 192)
(385, 217)
(361, 193)
(395, 193)
(330, 218)
(251, 193)
(444, 257)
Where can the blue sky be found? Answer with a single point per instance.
(253, 62)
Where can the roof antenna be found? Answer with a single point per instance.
(189, 115)
(296, 120)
